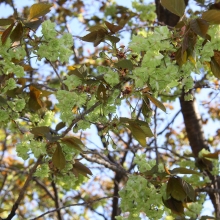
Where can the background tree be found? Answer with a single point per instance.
(128, 165)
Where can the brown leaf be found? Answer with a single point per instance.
(60, 125)
(38, 10)
(34, 102)
(73, 142)
(33, 25)
(199, 26)
(180, 57)
(125, 64)
(40, 131)
(175, 189)
(113, 28)
(155, 101)
(102, 93)
(212, 16)
(5, 22)
(6, 33)
(17, 33)
(175, 6)
(174, 205)
(215, 67)
(79, 168)
(212, 155)
(58, 158)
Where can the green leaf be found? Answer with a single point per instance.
(181, 57)
(42, 131)
(175, 6)
(215, 67)
(3, 101)
(6, 33)
(5, 22)
(183, 170)
(60, 125)
(38, 10)
(73, 142)
(212, 16)
(17, 33)
(155, 101)
(79, 168)
(190, 192)
(175, 189)
(199, 26)
(58, 158)
(102, 93)
(125, 64)
(138, 133)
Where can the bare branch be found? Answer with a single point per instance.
(24, 189)
(118, 169)
(79, 204)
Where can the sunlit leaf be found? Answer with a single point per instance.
(17, 33)
(212, 16)
(5, 22)
(212, 155)
(58, 158)
(79, 168)
(175, 6)
(125, 64)
(156, 102)
(73, 142)
(6, 33)
(38, 10)
(138, 133)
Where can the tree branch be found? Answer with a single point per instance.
(118, 169)
(56, 200)
(23, 190)
(79, 204)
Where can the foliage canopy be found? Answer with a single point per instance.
(55, 97)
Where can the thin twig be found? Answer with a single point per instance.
(58, 76)
(59, 216)
(117, 169)
(79, 204)
(81, 116)
(24, 189)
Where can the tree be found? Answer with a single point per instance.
(143, 160)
